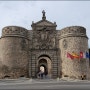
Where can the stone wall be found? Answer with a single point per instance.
(21, 48)
(43, 43)
(34, 57)
(14, 55)
(73, 39)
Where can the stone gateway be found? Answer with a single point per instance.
(42, 51)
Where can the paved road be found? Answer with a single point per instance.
(44, 84)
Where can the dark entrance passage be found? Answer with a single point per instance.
(44, 67)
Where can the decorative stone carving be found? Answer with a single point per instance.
(44, 39)
(14, 30)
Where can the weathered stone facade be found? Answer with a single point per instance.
(23, 51)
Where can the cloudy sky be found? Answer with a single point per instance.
(64, 13)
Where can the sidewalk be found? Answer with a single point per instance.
(33, 81)
(14, 81)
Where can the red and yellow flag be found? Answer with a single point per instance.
(69, 56)
(75, 55)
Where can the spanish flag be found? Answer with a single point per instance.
(75, 55)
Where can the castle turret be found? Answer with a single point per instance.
(14, 54)
(73, 40)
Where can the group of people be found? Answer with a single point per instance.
(41, 75)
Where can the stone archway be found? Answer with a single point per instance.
(45, 62)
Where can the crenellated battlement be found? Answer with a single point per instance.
(14, 31)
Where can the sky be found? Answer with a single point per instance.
(64, 13)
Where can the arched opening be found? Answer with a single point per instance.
(44, 55)
(44, 67)
(22, 76)
(6, 77)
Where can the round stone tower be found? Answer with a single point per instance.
(73, 40)
(13, 52)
